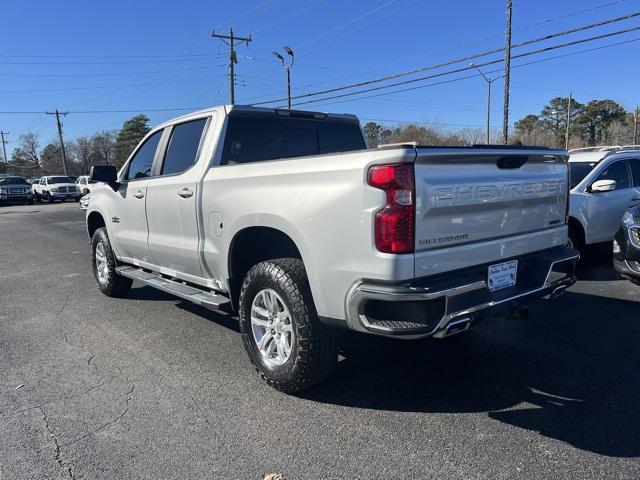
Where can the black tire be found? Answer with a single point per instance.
(576, 237)
(30, 202)
(37, 197)
(113, 285)
(314, 349)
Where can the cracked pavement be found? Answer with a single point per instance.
(153, 387)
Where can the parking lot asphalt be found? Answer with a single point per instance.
(152, 387)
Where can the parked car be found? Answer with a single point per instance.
(56, 187)
(604, 183)
(84, 201)
(626, 246)
(84, 184)
(285, 218)
(15, 189)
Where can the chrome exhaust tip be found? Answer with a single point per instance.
(557, 291)
(457, 326)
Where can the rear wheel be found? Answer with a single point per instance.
(287, 344)
(104, 266)
(576, 236)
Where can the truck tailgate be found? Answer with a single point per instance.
(467, 196)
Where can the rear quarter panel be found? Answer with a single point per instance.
(322, 203)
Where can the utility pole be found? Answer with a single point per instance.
(635, 127)
(232, 58)
(64, 155)
(4, 143)
(566, 135)
(507, 74)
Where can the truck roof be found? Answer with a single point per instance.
(226, 109)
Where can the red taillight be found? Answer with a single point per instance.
(394, 224)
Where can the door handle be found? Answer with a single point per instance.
(139, 194)
(185, 193)
(635, 199)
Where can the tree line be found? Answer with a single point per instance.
(107, 147)
(597, 122)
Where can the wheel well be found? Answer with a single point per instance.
(576, 232)
(252, 246)
(94, 222)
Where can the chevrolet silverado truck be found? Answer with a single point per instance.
(286, 219)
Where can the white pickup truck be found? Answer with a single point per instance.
(55, 187)
(287, 219)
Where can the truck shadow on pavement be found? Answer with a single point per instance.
(567, 375)
(569, 372)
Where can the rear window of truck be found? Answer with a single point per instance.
(257, 136)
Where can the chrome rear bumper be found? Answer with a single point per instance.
(431, 307)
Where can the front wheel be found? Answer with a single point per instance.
(287, 344)
(104, 266)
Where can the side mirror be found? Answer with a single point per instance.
(103, 173)
(603, 186)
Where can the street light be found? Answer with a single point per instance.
(489, 82)
(287, 67)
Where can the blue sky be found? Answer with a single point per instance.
(150, 56)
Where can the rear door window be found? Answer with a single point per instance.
(141, 163)
(184, 143)
(619, 172)
(634, 163)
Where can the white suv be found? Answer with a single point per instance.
(604, 182)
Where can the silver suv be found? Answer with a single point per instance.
(604, 182)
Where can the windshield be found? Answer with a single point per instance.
(579, 170)
(59, 180)
(13, 181)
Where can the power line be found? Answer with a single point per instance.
(346, 24)
(195, 108)
(287, 17)
(97, 87)
(461, 69)
(249, 12)
(458, 60)
(533, 62)
(118, 62)
(106, 74)
(493, 36)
